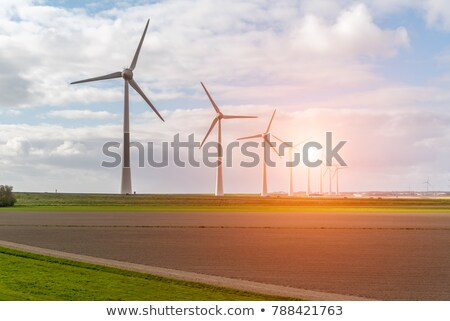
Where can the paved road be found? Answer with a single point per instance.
(404, 256)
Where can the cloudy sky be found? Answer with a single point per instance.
(375, 73)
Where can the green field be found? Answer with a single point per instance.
(26, 276)
(253, 203)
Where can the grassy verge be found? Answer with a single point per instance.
(198, 203)
(27, 276)
(149, 208)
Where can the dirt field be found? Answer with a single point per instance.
(390, 256)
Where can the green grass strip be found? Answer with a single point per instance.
(228, 203)
(211, 208)
(28, 276)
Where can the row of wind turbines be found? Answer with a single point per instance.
(126, 186)
(333, 171)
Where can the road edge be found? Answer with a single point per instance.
(237, 284)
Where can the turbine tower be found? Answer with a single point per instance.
(127, 75)
(308, 182)
(266, 140)
(218, 120)
(291, 149)
(322, 174)
(321, 181)
(330, 180)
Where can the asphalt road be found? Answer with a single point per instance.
(391, 256)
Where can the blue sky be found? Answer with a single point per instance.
(375, 72)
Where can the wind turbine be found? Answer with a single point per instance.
(427, 182)
(127, 75)
(331, 174)
(336, 172)
(291, 149)
(266, 140)
(308, 182)
(321, 180)
(330, 178)
(218, 120)
(322, 174)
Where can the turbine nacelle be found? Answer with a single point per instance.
(127, 74)
(219, 116)
(265, 136)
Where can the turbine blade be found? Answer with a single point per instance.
(138, 50)
(334, 173)
(140, 92)
(249, 137)
(271, 119)
(109, 76)
(270, 144)
(210, 99)
(233, 116)
(209, 131)
(278, 139)
(302, 142)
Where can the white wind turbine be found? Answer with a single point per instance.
(336, 173)
(329, 170)
(265, 136)
(218, 120)
(322, 174)
(427, 182)
(321, 180)
(127, 75)
(330, 178)
(291, 149)
(308, 182)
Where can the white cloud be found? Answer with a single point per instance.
(68, 148)
(354, 33)
(81, 114)
(245, 43)
(437, 13)
(15, 146)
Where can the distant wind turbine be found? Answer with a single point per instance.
(321, 180)
(127, 75)
(265, 136)
(218, 120)
(427, 182)
(322, 174)
(308, 182)
(330, 178)
(336, 173)
(291, 149)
